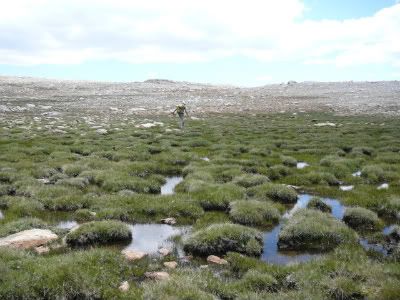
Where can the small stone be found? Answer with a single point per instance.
(102, 131)
(164, 251)
(203, 266)
(213, 259)
(92, 213)
(42, 250)
(133, 255)
(346, 187)
(157, 275)
(124, 287)
(169, 221)
(170, 264)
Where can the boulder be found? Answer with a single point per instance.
(133, 255)
(170, 264)
(124, 287)
(213, 259)
(157, 275)
(29, 238)
(164, 251)
(169, 221)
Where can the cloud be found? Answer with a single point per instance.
(178, 31)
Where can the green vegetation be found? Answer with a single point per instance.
(222, 238)
(102, 232)
(314, 230)
(47, 177)
(317, 203)
(276, 192)
(253, 212)
(361, 218)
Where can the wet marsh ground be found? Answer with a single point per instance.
(242, 175)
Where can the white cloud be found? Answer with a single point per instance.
(151, 31)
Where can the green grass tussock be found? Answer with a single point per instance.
(222, 238)
(361, 218)
(317, 203)
(276, 192)
(314, 230)
(253, 212)
(101, 233)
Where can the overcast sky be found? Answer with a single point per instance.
(248, 43)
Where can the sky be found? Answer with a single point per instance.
(245, 43)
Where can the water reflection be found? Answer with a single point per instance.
(150, 237)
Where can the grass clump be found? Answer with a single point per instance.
(218, 196)
(373, 174)
(222, 238)
(250, 180)
(101, 232)
(277, 192)
(253, 212)
(361, 218)
(91, 274)
(317, 203)
(257, 281)
(313, 230)
(289, 161)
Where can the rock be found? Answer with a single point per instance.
(44, 180)
(164, 251)
(29, 238)
(325, 124)
(203, 266)
(169, 221)
(102, 131)
(124, 287)
(212, 259)
(170, 264)
(133, 255)
(42, 250)
(157, 275)
(346, 187)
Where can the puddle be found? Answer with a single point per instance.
(302, 165)
(67, 224)
(388, 229)
(1, 215)
(273, 255)
(356, 174)
(151, 237)
(346, 188)
(170, 184)
(383, 186)
(375, 247)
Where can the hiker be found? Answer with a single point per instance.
(181, 110)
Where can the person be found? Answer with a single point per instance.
(181, 111)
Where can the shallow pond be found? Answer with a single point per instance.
(151, 237)
(67, 224)
(170, 184)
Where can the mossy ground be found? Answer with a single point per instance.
(82, 175)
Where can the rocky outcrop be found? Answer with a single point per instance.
(28, 238)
